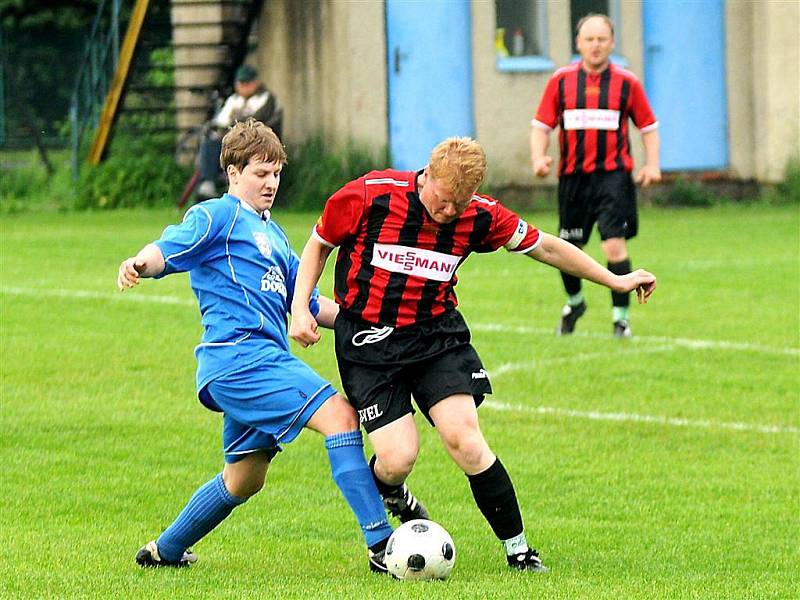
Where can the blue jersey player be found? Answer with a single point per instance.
(242, 271)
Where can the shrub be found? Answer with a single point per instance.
(25, 184)
(137, 172)
(143, 172)
(315, 170)
(788, 190)
(686, 193)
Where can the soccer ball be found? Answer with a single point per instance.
(420, 549)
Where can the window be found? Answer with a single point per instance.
(581, 8)
(521, 35)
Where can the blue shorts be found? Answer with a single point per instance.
(265, 405)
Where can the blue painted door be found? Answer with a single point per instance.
(430, 76)
(684, 76)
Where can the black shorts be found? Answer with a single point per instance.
(381, 375)
(607, 198)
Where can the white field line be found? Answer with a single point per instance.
(127, 296)
(632, 417)
(580, 357)
(644, 339)
(135, 296)
(492, 404)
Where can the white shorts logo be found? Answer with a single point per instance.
(480, 374)
(571, 234)
(371, 335)
(415, 261)
(369, 413)
(591, 118)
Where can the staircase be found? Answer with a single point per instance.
(161, 80)
(210, 39)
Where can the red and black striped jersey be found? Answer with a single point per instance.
(592, 110)
(397, 266)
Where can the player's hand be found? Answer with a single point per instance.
(303, 329)
(640, 280)
(541, 166)
(129, 273)
(647, 175)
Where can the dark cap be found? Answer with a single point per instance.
(246, 73)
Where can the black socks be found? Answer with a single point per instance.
(495, 497)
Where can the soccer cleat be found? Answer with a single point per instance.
(622, 329)
(527, 561)
(377, 562)
(148, 557)
(404, 506)
(569, 316)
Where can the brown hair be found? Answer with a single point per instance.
(583, 20)
(248, 139)
(459, 163)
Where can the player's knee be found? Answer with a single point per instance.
(468, 448)
(615, 249)
(245, 487)
(250, 488)
(396, 465)
(343, 416)
(245, 478)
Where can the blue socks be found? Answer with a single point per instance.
(212, 502)
(354, 478)
(206, 509)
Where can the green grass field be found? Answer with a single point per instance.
(666, 466)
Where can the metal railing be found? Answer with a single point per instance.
(124, 86)
(94, 79)
(2, 93)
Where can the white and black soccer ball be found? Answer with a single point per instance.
(420, 549)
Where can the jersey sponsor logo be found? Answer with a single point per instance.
(591, 118)
(415, 261)
(262, 242)
(369, 413)
(371, 335)
(274, 281)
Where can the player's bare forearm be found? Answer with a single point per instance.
(539, 140)
(569, 258)
(312, 262)
(148, 262)
(328, 310)
(652, 145)
(651, 171)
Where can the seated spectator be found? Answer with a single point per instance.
(250, 99)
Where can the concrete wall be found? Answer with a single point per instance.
(775, 89)
(326, 61)
(763, 73)
(739, 80)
